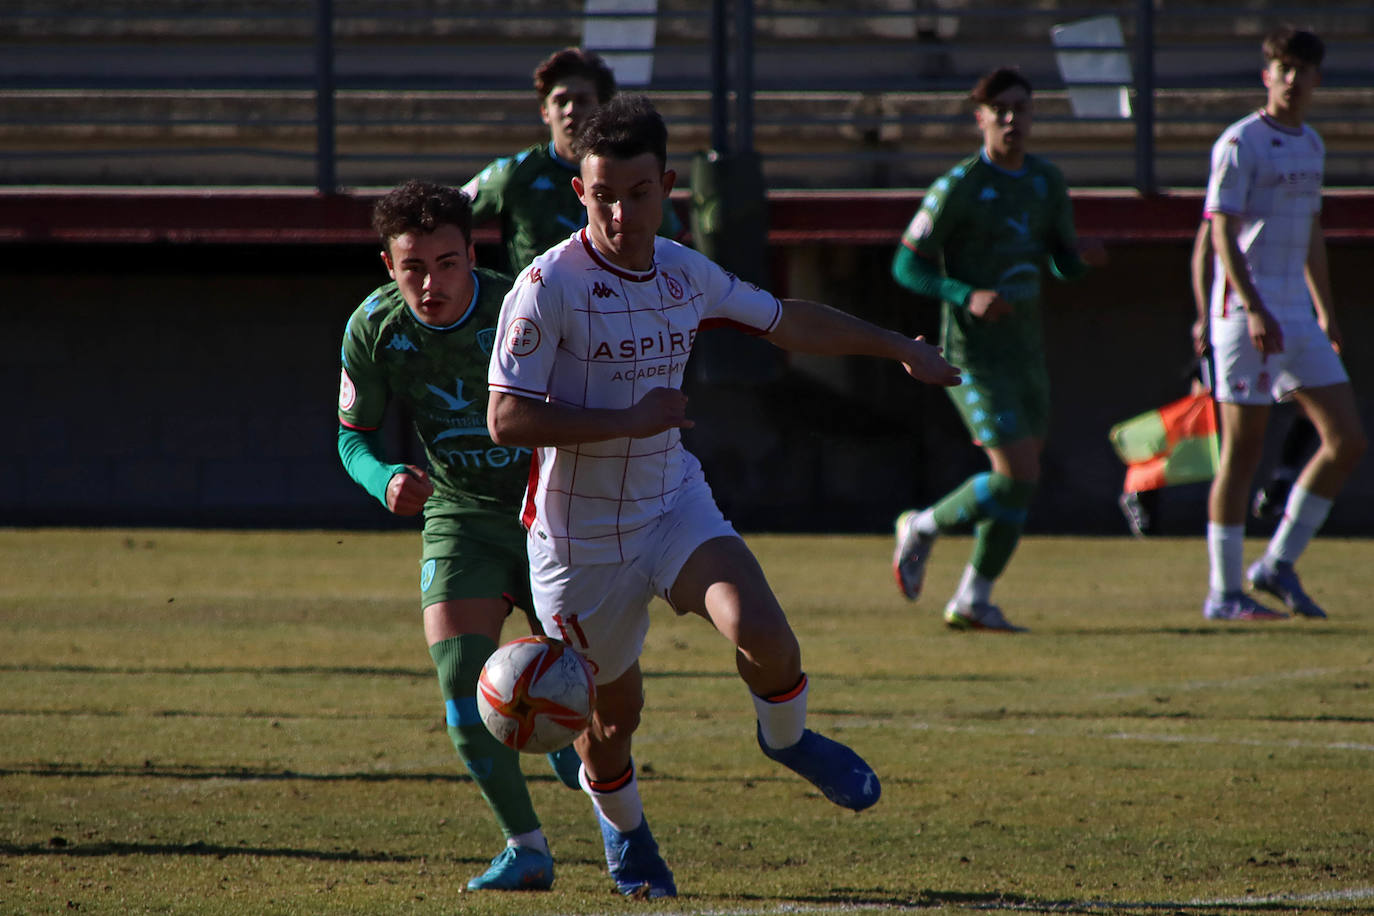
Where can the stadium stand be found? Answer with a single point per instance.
(173, 92)
(160, 158)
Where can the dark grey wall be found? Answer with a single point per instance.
(195, 386)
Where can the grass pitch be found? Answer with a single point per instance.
(247, 723)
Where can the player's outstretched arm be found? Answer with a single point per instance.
(810, 327)
(523, 421)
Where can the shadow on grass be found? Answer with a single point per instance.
(281, 670)
(996, 902)
(241, 774)
(1293, 630)
(57, 846)
(418, 674)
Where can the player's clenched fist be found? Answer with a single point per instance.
(407, 491)
(660, 409)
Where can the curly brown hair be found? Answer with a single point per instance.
(995, 82)
(421, 206)
(560, 65)
(1289, 41)
(623, 128)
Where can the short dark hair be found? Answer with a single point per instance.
(623, 128)
(1289, 41)
(995, 82)
(421, 206)
(560, 65)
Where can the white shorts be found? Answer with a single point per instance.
(1244, 376)
(602, 609)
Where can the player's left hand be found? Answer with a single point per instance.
(926, 364)
(1332, 332)
(1093, 252)
(1265, 332)
(1202, 338)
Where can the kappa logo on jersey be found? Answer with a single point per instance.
(987, 194)
(542, 183)
(674, 287)
(522, 337)
(402, 343)
(601, 290)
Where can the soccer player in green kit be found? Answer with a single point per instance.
(531, 192)
(425, 340)
(980, 243)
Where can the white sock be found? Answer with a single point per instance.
(533, 840)
(621, 806)
(782, 719)
(1302, 516)
(973, 588)
(925, 523)
(1226, 550)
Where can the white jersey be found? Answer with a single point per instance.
(577, 330)
(1270, 177)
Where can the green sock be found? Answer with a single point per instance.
(495, 767)
(996, 536)
(959, 507)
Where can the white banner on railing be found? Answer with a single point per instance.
(1085, 64)
(626, 42)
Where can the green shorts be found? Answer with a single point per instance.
(473, 554)
(1005, 405)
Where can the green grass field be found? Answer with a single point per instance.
(247, 723)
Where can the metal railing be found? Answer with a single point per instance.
(857, 94)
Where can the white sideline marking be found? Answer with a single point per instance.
(1351, 894)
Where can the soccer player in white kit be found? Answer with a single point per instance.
(589, 358)
(1273, 331)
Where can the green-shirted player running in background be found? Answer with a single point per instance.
(980, 243)
(425, 340)
(531, 192)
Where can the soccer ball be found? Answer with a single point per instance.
(536, 694)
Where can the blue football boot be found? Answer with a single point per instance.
(517, 868)
(840, 774)
(633, 859)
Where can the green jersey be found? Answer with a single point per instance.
(532, 195)
(993, 229)
(441, 373)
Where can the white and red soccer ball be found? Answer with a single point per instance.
(536, 694)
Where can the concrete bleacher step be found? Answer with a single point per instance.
(219, 91)
(449, 135)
